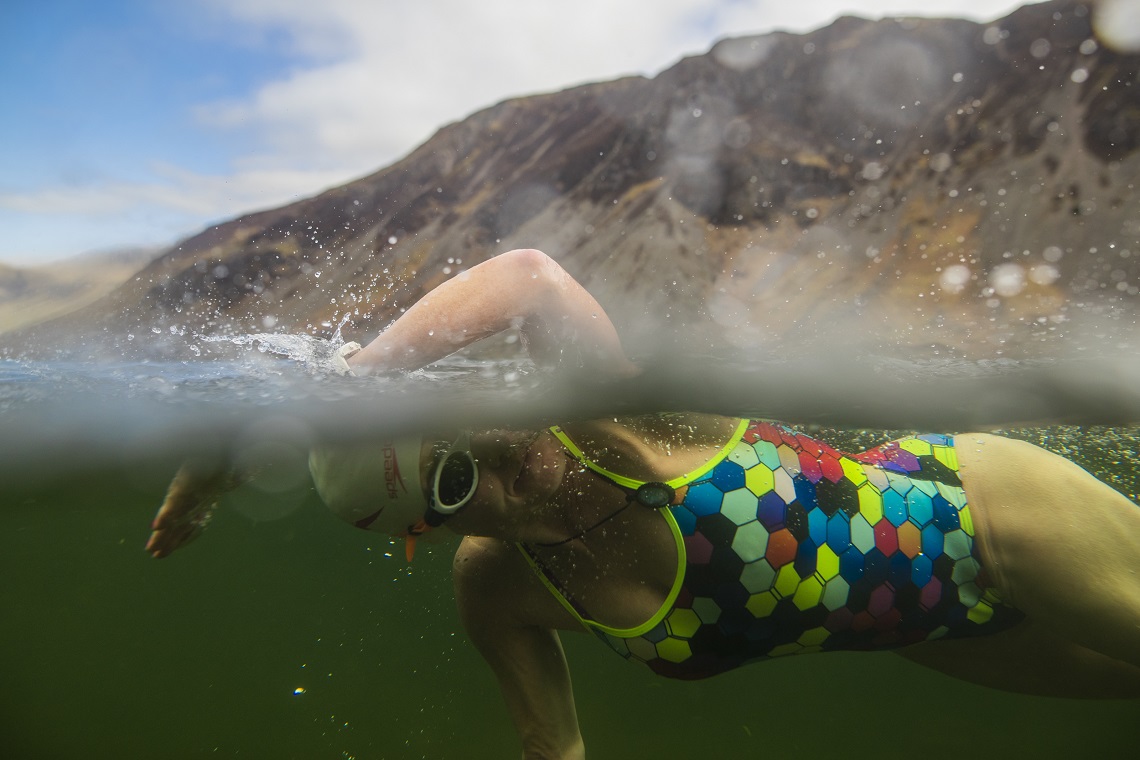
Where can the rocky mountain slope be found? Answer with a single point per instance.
(936, 186)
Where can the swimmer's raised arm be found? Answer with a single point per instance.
(560, 321)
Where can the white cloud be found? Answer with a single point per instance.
(414, 66)
(382, 76)
(57, 222)
(390, 73)
(177, 189)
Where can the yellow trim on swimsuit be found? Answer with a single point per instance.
(678, 539)
(677, 482)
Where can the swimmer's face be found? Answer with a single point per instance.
(517, 469)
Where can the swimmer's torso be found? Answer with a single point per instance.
(785, 545)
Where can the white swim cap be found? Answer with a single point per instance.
(374, 486)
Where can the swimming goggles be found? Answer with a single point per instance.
(454, 481)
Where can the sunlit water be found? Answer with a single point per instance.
(283, 633)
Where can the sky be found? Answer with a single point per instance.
(140, 122)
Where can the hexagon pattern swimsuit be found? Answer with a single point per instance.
(786, 545)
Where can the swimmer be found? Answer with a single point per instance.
(695, 544)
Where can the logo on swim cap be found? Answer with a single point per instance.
(364, 485)
(392, 476)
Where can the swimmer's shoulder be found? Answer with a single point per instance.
(657, 446)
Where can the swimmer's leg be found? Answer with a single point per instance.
(1029, 659)
(1061, 546)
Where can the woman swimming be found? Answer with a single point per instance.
(697, 543)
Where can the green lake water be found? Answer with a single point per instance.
(284, 633)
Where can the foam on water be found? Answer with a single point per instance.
(311, 352)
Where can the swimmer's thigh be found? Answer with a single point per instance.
(1062, 546)
(1029, 659)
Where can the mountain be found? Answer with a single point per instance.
(918, 185)
(36, 293)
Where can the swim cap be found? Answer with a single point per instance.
(374, 486)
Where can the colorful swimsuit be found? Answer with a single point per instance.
(786, 545)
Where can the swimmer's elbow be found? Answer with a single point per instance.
(527, 259)
(531, 266)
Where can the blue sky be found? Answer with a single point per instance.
(138, 122)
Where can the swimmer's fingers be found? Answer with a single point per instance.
(189, 504)
(178, 522)
(163, 542)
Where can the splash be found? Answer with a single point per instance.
(314, 353)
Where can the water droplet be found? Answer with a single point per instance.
(873, 171)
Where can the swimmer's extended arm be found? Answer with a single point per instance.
(189, 504)
(524, 288)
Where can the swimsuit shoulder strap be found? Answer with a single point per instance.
(677, 482)
(548, 579)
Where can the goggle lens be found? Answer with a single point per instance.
(456, 477)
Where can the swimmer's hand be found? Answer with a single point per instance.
(189, 504)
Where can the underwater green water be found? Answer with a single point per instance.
(284, 633)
